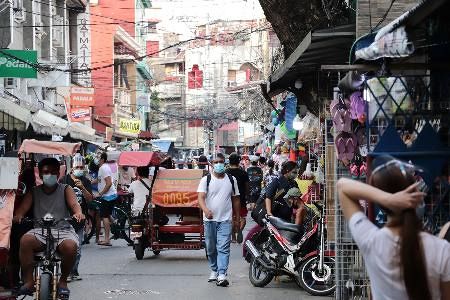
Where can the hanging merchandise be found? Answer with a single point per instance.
(319, 176)
(358, 107)
(340, 112)
(291, 110)
(289, 134)
(311, 124)
(308, 172)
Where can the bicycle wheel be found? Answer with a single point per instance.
(122, 225)
(89, 229)
(45, 286)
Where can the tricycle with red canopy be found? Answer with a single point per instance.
(173, 192)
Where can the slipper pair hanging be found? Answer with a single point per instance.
(346, 145)
(342, 119)
(358, 107)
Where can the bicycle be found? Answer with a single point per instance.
(120, 225)
(48, 261)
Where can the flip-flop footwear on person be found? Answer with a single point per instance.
(107, 244)
(63, 293)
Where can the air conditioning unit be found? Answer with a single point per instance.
(57, 31)
(11, 83)
(53, 10)
(19, 12)
(38, 29)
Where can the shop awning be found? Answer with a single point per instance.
(46, 123)
(15, 110)
(45, 147)
(148, 135)
(163, 145)
(320, 47)
(139, 158)
(83, 132)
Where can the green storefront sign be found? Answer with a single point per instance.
(16, 63)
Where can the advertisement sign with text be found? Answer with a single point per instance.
(82, 96)
(80, 114)
(18, 63)
(130, 125)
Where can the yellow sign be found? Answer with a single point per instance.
(130, 125)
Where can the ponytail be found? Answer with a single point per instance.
(412, 257)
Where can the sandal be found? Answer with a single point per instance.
(103, 243)
(63, 293)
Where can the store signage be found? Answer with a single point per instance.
(130, 125)
(83, 47)
(80, 114)
(18, 63)
(82, 96)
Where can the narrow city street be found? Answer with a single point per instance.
(114, 273)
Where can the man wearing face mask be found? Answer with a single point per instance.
(60, 201)
(278, 188)
(218, 197)
(83, 191)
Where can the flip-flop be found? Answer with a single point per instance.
(63, 293)
(105, 244)
(340, 146)
(350, 147)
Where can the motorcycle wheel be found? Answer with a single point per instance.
(45, 289)
(314, 282)
(257, 275)
(139, 249)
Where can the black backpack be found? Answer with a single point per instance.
(208, 180)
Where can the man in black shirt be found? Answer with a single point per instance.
(242, 181)
(256, 176)
(83, 191)
(277, 189)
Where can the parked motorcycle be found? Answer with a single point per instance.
(281, 248)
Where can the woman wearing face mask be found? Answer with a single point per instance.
(402, 261)
(277, 189)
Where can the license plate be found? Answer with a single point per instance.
(135, 235)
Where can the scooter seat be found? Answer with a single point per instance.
(282, 225)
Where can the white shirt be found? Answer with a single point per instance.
(103, 173)
(218, 198)
(140, 193)
(380, 249)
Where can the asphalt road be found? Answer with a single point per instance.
(114, 273)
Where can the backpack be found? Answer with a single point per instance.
(208, 180)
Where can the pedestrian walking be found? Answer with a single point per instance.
(83, 192)
(402, 261)
(218, 197)
(108, 194)
(242, 181)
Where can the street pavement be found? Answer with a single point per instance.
(114, 273)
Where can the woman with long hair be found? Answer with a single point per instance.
(402, 261)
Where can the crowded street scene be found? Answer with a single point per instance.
(210, 149)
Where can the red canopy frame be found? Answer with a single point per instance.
(45, 147)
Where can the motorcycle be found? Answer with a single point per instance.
(281, 248)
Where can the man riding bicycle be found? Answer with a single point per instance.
(60, 201)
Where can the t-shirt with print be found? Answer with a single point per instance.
(380, 249)
(103, 173)
(280, 208)
(140, 193)
(242, 179)
(218, 197)
(255, 176)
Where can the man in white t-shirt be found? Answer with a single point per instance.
(218, 197)
(107, 192)
(140, 189)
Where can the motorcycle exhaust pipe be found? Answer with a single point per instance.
(252, 249)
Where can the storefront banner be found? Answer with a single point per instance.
(130, 125)
(80, 114)
(82, 96)
(18, 63)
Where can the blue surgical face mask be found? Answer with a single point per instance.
(96, 161)
(78, 173)
(50, 180)
(219, 168)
